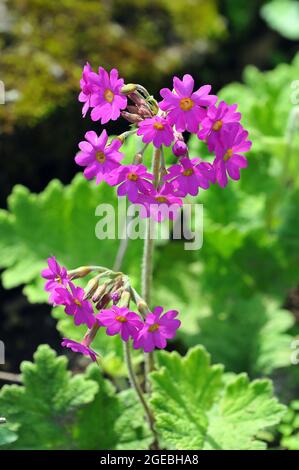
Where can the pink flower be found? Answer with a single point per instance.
(76, 306)
(57, 277)
(228, 154)
(133, 179)
(186, 108)
(157, 329)
(99, 158)
(187, 176)
(216, 122)
(156, 130)
(87, 88)
(108, 100)
(160, 203)
(80, 348)
(120, 320)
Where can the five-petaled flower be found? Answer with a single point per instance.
(99, 158)
(76, 305)
(120, 320)
(156, 130)
(186, 109)
(157, 330)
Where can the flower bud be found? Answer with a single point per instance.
(79, 272)
(91, 287)
(179, 148)
(128, 88)
(133, 118)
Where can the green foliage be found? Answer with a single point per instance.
(46, 43)
(195, 409)
(64, 223)
(289, 427)
(54, 410)
(283, 16)
(45, 408)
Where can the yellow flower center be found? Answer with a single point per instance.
(186, 104)
(77, 302)
(161, 199)
(109, 95)
(228, 154)
(188, 172)
(58, 279)
(121, 319)
(100, 156)
(217, 126)
(159, 126)
(154, 327)
(132, 177)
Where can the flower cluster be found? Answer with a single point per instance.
(106, 305)
(163, 123)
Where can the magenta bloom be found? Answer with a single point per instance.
(133, 179)
(216, 122)
(229, 159)
(99, 158)
(76, 306)
(119, 320)
(57, 277)
(108, 100)
(187, 176)
(87, 88)
(157, 330)
(156, 130)
(186, 108)
(161, 203)
(79, 348)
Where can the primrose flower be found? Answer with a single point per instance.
(132, 179)
(99, 158)
(157, 330)
(87, 88)
(218, 120)
(161, 203)
(229, 159)
(76, 306)
(79, 348)
(187, 176)
(156, 130)
(186, 108)
(120, 320)
(107, 101)
(56, 276)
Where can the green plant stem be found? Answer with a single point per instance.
(147, 264)
(135, 384)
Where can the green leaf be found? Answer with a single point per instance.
(195, 408)
(116, 420)
(283, 16)
(7, 436)
(64, 224)
(45, 408)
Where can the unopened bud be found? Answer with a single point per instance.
(179, 148)
(128, 88)
(103, 302)
(133, 118)
(91, 287)
(79, 272)
(142, 307)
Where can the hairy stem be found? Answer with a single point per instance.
(135, 384)
(147, 263)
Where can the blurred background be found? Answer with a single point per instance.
(246, 277)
